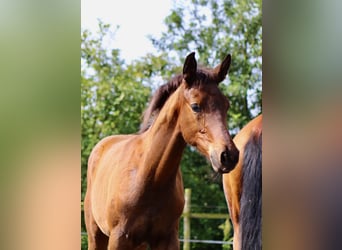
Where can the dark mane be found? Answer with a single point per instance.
(203, 75)
(158, 100)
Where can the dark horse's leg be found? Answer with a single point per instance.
(96, 239)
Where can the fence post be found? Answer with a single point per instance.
(186, 220)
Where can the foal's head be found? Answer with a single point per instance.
(202, 111)
(203, 114)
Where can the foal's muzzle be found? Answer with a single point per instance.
(224, 161)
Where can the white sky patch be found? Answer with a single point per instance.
(137, 19)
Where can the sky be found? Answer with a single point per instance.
(136, 19)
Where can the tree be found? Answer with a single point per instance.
(214, 28)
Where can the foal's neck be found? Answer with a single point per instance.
(166, 142)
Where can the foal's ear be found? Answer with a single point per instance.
(190, 68)
(221, 70)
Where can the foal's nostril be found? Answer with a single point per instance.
(225, 158)
(228, 159)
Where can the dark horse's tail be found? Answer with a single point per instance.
(250, 203)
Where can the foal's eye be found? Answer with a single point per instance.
(195, 107)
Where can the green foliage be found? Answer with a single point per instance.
(207, 197)
(84, 242)
(228, 234)
(214, 28)
(114, 94)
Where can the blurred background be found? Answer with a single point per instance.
(44, 143)
(119, 74)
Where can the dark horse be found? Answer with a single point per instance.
(242, 187)
(134, 195)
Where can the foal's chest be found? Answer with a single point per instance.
(154, 216)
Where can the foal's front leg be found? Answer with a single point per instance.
(121, 241)
(97, 240)
(117, 241)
